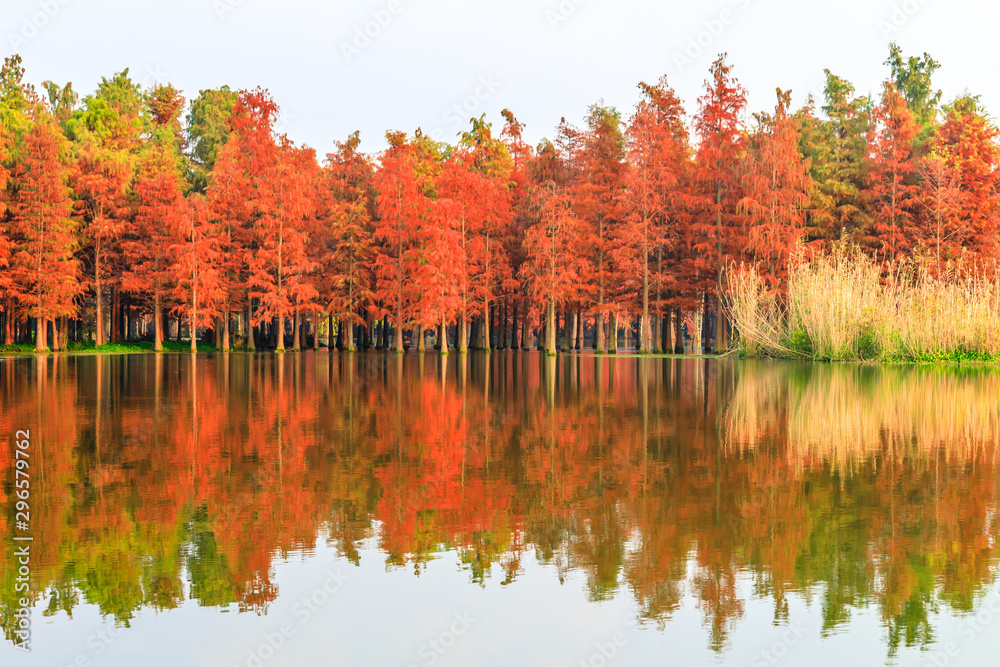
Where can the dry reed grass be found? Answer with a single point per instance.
(842, 415)
(846, 307)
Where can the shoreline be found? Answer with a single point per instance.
(145, 347)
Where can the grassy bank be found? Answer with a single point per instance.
(134, 347)
(843, 307)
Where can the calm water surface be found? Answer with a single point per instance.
(327, 509)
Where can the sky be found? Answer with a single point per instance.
(373, 65)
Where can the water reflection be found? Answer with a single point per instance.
(163, 478)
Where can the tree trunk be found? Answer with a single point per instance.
(278, 337)
(99, 298)
(488, 325)
(503, 342)
(398, 336)
(41, 335)
(645, 342)
(194, 315)
(569, 331)
(443, 337)
(8, 322)
(698, 320)
(666, 332)
(526, 328)
(721, 328)
(297, 331)
(116, 315)
(550, 329)
(474, 333)
(613, 334)
(463, 334)
(706, 344)
(678, 331)
(251, 342)
(599, 344)
(514, 342)
(157, 323)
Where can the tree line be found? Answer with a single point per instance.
(131, 214)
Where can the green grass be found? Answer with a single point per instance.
(135, 347)
(26, 348)
(132, 347)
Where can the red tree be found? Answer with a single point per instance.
(401, 208)
(488, 204)
(195, 269)
(892, 186)
(440, 269)
(6, 298)
(101, 183)
(349, 248)
(596, 160)
(718, 230)
(280, 263)
(967, 141)
(553, 267)
(655, 184)
(46, 274)
(229, 195)
(776, 186)
(160, 210)
(943, 229)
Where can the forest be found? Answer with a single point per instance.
(132, 215)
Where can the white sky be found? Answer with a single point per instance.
(543, 59)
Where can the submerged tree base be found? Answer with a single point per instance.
(845, 307)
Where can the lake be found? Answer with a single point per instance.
(507, 509)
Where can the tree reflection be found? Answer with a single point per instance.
(853, 487)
